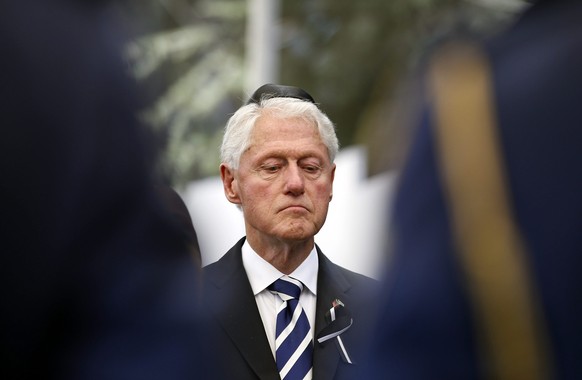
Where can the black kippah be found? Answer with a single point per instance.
(268, 91)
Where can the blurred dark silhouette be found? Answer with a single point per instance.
(96, 281)
(182, 219)
(431, 325)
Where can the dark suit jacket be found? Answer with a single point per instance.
(241, 342)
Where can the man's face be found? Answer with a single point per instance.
(284, 180)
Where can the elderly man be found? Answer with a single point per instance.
(284, 310)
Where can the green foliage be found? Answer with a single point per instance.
(352, 56)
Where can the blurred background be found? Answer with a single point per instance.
(198, 60)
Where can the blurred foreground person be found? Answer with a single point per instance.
(486, 274)
(96, 282)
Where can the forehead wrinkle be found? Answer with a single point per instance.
(295, 154)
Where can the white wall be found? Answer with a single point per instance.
(353, 235)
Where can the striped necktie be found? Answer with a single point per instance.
(294, 347)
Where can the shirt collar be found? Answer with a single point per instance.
(261, 273)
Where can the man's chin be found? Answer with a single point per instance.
(298, 234)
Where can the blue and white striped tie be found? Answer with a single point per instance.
(294, 347)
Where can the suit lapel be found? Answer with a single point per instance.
(331, 284)
(236, 309)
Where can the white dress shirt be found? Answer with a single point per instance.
(261, 274)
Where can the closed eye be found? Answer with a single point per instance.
(268, 171)
(270, 168)
(313, 171)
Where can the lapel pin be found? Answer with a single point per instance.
(339, 321)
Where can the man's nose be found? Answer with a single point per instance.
(294, 180)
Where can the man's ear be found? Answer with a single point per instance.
(332, 178)
(230, 184)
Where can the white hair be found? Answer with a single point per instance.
(237, 133)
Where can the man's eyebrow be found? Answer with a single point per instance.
(311, 157)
